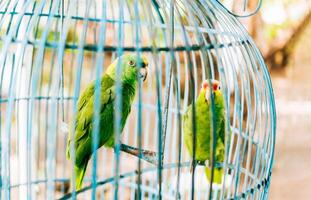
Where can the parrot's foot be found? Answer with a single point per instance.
(206, 163)
(194, 163)
(202, 163)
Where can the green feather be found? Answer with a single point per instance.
(203, 130)
(80, 172)
(83, 123)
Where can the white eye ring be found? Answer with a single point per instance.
(131, 63)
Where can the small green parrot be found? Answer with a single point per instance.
(203, 127)
(132, 68)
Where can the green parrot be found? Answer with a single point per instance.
(132, 68)
(203, 127)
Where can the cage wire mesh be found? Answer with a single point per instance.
(51, 51)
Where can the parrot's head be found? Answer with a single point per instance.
(132, 68)
(208, 87)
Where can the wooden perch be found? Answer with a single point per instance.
(143, 154)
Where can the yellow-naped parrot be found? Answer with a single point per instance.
(203, 124)
(132, 68)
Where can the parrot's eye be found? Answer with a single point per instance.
(131, 63)
(218, 87)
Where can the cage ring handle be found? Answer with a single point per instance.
(259, 4)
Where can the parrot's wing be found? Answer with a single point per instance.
(85, 96)
(86, 105)
(187, 113)
(83, 99)
(87, 113)
(222, 130)
(187, 128)
(106, 83)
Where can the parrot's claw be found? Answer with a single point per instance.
(207, 163)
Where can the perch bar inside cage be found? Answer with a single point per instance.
(143, 154)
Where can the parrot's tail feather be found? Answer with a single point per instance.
(68, 150)
(218, 173)
(65, 129)
(80, 172)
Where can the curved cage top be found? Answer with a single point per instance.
(50, 52)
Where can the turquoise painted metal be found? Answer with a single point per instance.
(50, 51)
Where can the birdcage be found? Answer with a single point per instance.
(51, 51)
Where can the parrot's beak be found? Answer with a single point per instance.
(206, 88)
(143, 72)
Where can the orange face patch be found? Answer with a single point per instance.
(215, 84)
(205, 85)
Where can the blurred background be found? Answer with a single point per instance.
(282, 30)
